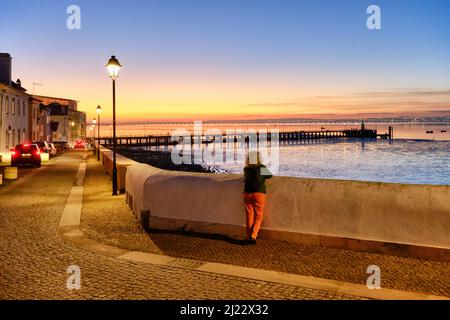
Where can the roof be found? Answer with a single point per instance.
(48, 97)
(16, 86)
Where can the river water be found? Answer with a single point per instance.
(413, 157)
(400, 160)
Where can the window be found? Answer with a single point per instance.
(24, 107)
(18, 108)
(13, 106)
(18, 136)
(7, 105)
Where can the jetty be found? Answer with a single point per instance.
(283, 137)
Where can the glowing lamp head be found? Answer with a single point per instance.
(72, 123)
(113, 67)
(99, 109)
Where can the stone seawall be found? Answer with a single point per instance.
(410, 220)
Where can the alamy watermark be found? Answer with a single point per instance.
(213, 147)
(74, 280)
(374, 280)
(374, 20)
(73, 21)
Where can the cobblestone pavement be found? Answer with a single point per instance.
(34, 259)
(110, 221)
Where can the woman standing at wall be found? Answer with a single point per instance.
(255, 174)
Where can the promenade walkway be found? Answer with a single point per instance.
(110, 221)
(34, 257)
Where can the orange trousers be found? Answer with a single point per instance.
(254, 208)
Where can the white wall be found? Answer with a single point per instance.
(122, 163)
(393, 213)
(17, 120)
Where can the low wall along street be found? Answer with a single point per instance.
(401, 219)
(122, 163)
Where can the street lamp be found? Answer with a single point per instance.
(113, 66)
(72, 124)
(99, 110)
(93, 126)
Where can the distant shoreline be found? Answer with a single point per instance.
(350, 121)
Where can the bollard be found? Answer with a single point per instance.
(11, 173)
(45, 157)
(6, 158)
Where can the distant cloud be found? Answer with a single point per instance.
(383, 103)
(372, 99)
(406, 92)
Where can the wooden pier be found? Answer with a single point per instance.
(283, 137)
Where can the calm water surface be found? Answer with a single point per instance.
(402, 161)
(414, 156)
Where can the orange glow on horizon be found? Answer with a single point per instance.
(184, 98)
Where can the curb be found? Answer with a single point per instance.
(69, 230)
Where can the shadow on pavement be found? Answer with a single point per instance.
(220, 237)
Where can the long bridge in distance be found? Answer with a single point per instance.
(167, 140)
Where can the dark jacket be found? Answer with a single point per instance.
(254, 178)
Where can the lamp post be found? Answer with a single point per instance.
(72, 124)
(99, 110)
(94, 121)
(113, 66)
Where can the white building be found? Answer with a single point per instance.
(68, 124)
(14, 108)
(34, 121)
(26, 118)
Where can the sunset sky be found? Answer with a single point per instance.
(209, 59)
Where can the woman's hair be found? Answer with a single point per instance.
(253, 158)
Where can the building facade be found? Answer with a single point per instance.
(66, 122)
(34, 120)
(14, 108)
(26, 118)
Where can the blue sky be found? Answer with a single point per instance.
(228, 55)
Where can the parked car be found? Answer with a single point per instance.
(43, 146)
(61, 145)
(24, 154)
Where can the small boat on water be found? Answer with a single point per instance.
(430, 131)
(443, 131)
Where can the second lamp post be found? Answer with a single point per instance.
(113, 68)
(99, 110)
